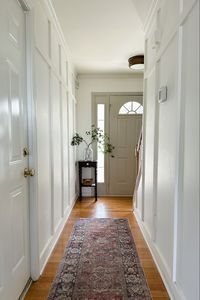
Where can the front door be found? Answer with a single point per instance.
(125, 126)
(14, 204)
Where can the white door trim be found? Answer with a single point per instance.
(32, 141)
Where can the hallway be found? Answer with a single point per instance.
(104, 208)
(67, 67)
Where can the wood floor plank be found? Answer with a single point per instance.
(112, 207)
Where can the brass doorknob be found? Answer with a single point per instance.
(29, 172)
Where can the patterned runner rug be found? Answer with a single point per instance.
(100, 263)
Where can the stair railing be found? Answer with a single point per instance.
(138, 157)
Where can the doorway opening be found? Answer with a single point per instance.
(120, 116)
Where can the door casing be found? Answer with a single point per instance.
(32, 140)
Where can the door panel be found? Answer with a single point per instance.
(15, 111)
(14, 215)
(124, 134)
(17, 230)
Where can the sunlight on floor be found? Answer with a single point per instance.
(100, 211)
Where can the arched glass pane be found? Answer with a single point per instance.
(140, 110)
(128, 106)
(123, 111)
(131, 108)
(136, 105)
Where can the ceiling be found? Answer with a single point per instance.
(102, 34)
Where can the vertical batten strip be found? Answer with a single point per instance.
(51, 162)
(155, 157)
(143, 149)
(179, 157)
(156, 128)
(68, 150)
(60, 60)
(49, 39)
(156, 135)
(62, 151)
(51, 150)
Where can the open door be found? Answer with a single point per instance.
(14, 186)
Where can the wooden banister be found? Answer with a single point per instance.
(138, 157)
(137, 153)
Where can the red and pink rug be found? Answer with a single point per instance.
(100, 263)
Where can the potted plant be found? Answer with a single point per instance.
(92, 136)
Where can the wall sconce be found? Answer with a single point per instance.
(136, 62)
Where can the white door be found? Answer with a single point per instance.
(125, 126)
(14, 205)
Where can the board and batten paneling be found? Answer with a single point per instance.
(42, 76)
(167, 147)
(170, 200)
(56, 151)
(55, 126)
(71, 125)
(149, 153)
(188, 216)
(42, 30)
(65, 150)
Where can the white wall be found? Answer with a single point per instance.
(89, 84)
(169, 215)
(54, 96)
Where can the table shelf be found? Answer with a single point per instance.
(88, 185)
(87, 164)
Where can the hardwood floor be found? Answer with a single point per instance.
(104, 208)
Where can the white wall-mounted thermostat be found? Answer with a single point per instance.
(162, 94)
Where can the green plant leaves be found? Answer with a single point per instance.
(96, 134)
(76, 140)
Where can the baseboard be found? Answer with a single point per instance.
(137, 213)
(52, 242)
(25, 290)
(173, 289)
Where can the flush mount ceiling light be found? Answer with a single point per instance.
(136, 62)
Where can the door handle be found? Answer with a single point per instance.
(29, 172)
(112, 156)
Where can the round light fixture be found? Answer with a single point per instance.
(136, 62)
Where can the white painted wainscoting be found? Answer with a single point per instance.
(55, 106)
(168, 207)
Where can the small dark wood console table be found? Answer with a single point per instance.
(92, 183)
